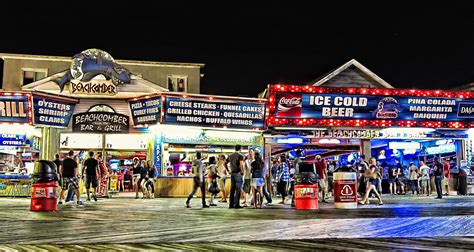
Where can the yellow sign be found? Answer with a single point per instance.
(94, 87)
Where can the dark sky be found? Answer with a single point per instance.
(247, 47)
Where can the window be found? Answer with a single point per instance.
(31, 75)
(177, 83)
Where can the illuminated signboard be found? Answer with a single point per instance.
(145, 111)
(12, 139)
(15, 108)
(404, 145)
(212, 113)
(100, 122)
(306, 105)
(52, 112)
(448, 148)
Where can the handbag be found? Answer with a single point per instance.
(213, 187)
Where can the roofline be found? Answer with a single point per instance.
(123, 62)
(355, 63)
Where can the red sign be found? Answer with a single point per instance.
(345, 191)
(289, 105)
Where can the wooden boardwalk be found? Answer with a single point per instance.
(126, 223)
(427, 244)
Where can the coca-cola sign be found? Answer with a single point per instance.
(289, 105)
(290, 102)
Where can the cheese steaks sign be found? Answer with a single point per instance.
(52, 112)
(100, 122)
(373, 107)
(185, 111)
(146, 111)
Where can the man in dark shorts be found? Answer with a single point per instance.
(392, 176)
(236, 163)
(57, 162)
(68, 173)
(438, 173)
(91, 165)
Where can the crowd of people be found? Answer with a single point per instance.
(250, 179)
(95, 175)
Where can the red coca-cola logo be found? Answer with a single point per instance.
(289, 105)
(290, 102)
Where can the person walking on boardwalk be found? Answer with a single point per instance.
(197, 170)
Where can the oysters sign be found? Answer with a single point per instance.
(373, 107)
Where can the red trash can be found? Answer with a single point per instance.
(44, 196)
(306, 197)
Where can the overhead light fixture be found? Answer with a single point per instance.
(292, 140)
(329, 141)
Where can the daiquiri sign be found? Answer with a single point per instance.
(308, 105)
(100, 122)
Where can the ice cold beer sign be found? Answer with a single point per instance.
(372, 107)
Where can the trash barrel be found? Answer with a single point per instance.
(306, 197)
(44, 192)
(462, 182)
(345, 190)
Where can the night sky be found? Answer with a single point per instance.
(247, 47)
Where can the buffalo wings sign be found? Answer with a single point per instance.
(306, 105)
(209, 112)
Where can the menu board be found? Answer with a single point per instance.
(14, 109)
(52, 112)
(207, 113)
(146, 111)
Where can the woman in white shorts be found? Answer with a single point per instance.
(257, 179)
(223, 173)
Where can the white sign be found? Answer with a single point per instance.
(80, 141)
(404, 145)
(126, 142)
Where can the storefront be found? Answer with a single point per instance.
(19, 143)
(91, 109)
(212, 125)
(388, 124)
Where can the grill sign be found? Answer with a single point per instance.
(14, 109)
(100, 122)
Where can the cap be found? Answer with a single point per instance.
(318, 157)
